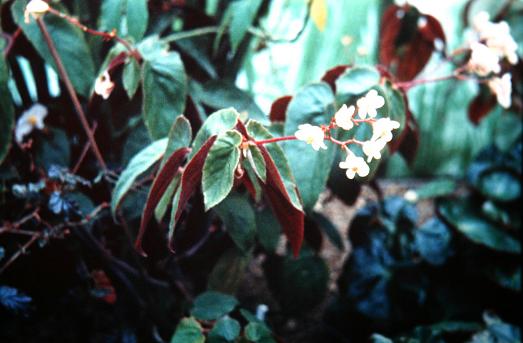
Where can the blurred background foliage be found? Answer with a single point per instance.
(448, 140)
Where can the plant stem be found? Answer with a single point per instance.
(71, 91)
(275, 139)
(108, 36)
(191, 33)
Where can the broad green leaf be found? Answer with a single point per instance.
(70, 44)
(140, 163)
(500, 185)
(253, 177)
(237, 214)
(7, 115)
(255, 158)
(219, 94)
(219, 168)
(164, 91)
(131, 77)
(213, 305)
(259, 132)
(258, 333)
(313, 105)
(188, 331)
(436, 188)
(269, 230)
(356, 81)
(127, 17)
(218, 122)
(394, 107)
(226, 328)
(137, 18)
(242, 14)
(461, 215)
(227, 273)
(180, 136)
(319, 13)
(54, 149)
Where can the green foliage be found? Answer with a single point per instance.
(212, 305)
(226, 329)
(356, 81)
(131, 77)
(218, 122)
(6, 112)
(314, 104)
(222, 159)
(70, 44)
(238, 215)
(164, 91)
(240, 16)
(188, 331)
(127, 17)
(138, 165)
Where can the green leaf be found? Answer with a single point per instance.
(219, 94)
(131, 77)
(55, 149)
(237, 214)
(219, 168)
(137, 18)
(242, 13)
(127, 17)
(462, 215)
(394, 107)
(258, 333)
(226, 328)
(7, 114)
(255, 158)
(188, 331)
(436, 188)
(329, 229)
(313, 105)
(140, 163)
(257, 131)
(180, 136)
(269, 229)
(227, 273)
(166, 200)
(164, 91)
(213, 305)
(500, 185)
(70, 44)
(356, 81)
(217, 123)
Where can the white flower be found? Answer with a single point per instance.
(343, 117)
(381, 129)
(373, 148)
(354, 165)
(369, 104)
(312, 135)
(29, 120)
(502, 87)
(483, 60)
(103, 85)
(496, 36)
(411, 196)
(35, 8)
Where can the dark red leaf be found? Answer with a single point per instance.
(192, 175)
(480, 106)
(332, 75)
(240, 126)
(118, 60)
(290, 218)
(407, 40)
(159, 186)
(279, 108)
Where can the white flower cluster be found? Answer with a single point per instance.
(367, 106)
(494, 44)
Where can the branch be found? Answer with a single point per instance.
(72, 93)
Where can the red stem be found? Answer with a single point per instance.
(275, 139)
(71, 91)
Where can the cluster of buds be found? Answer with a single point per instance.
(345, 118)
(493, 44)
